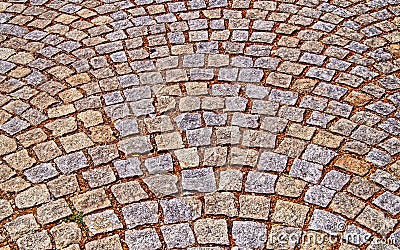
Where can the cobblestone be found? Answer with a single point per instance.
(290, 214)
(249, 234)
(211, 231)
(66, 234)
(53, 211)
(327, 222)
(199, 124)
(140, 213)
(376, 220)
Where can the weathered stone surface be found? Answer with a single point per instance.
(220, 203)
(128, 168)
(243, 157)
(140, 213)
(159, 164)
(91, 201)
(388, 202)
(308, 171)
(103, 154)
(260, 183)
(41, 172)
(178, 235)
(128, 192)
(181, 209)
(243, 124)
(100, 176)
(108, 243)
(66, 234)
(335, 180)
(33, 196)
(53, 211)
(254, 207)
(362, 188)
(327, 222)
(71, 162)
(5, 209)
(20, 160)
(319, 195)
(249, 234)
(290, 213)
(139, 239)
(106, 221)
(162, 184)
(38, 240)
(188, 158)
(21, 225)
(230, 180)
(169, 141)
(270, 161)
(318, 154)
(376, 220)
(135, 145)
(63, 185)
(76, 142)
(199, 180)
(211, 231)
(290, 187)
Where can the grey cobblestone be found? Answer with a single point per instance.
(198, 125)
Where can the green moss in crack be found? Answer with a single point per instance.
(77, 217)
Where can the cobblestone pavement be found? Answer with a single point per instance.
(201, 124)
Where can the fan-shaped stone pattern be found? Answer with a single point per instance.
(149, 124)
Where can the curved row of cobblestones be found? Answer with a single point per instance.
(159, 124)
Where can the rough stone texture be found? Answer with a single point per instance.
(319, 195)
(162, 184)
(33, 196)
(128, 192)
(139, 239)
(106, 221)
(346, 205)
(181, 209)
(362, 188)
(327, 222)
(211, 231)
(283, 237)
(290, 213)
(38, 240)
(140, 213)
(135, 145)
(376, 220)
(254, 207)
(53, 211)
(388, 202)
(159, 164)
(66, 234)
(199, 180)
(63, 185)
(128, 168)
(21, 225)
(108, 243)
(249, 234)
(199, 124)
(91, 201)
(290, 187)
(100, 176)
(5, 209)
(178, 235)
(220, 203)
(308, 171)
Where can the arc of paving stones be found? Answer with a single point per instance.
(199, 124)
